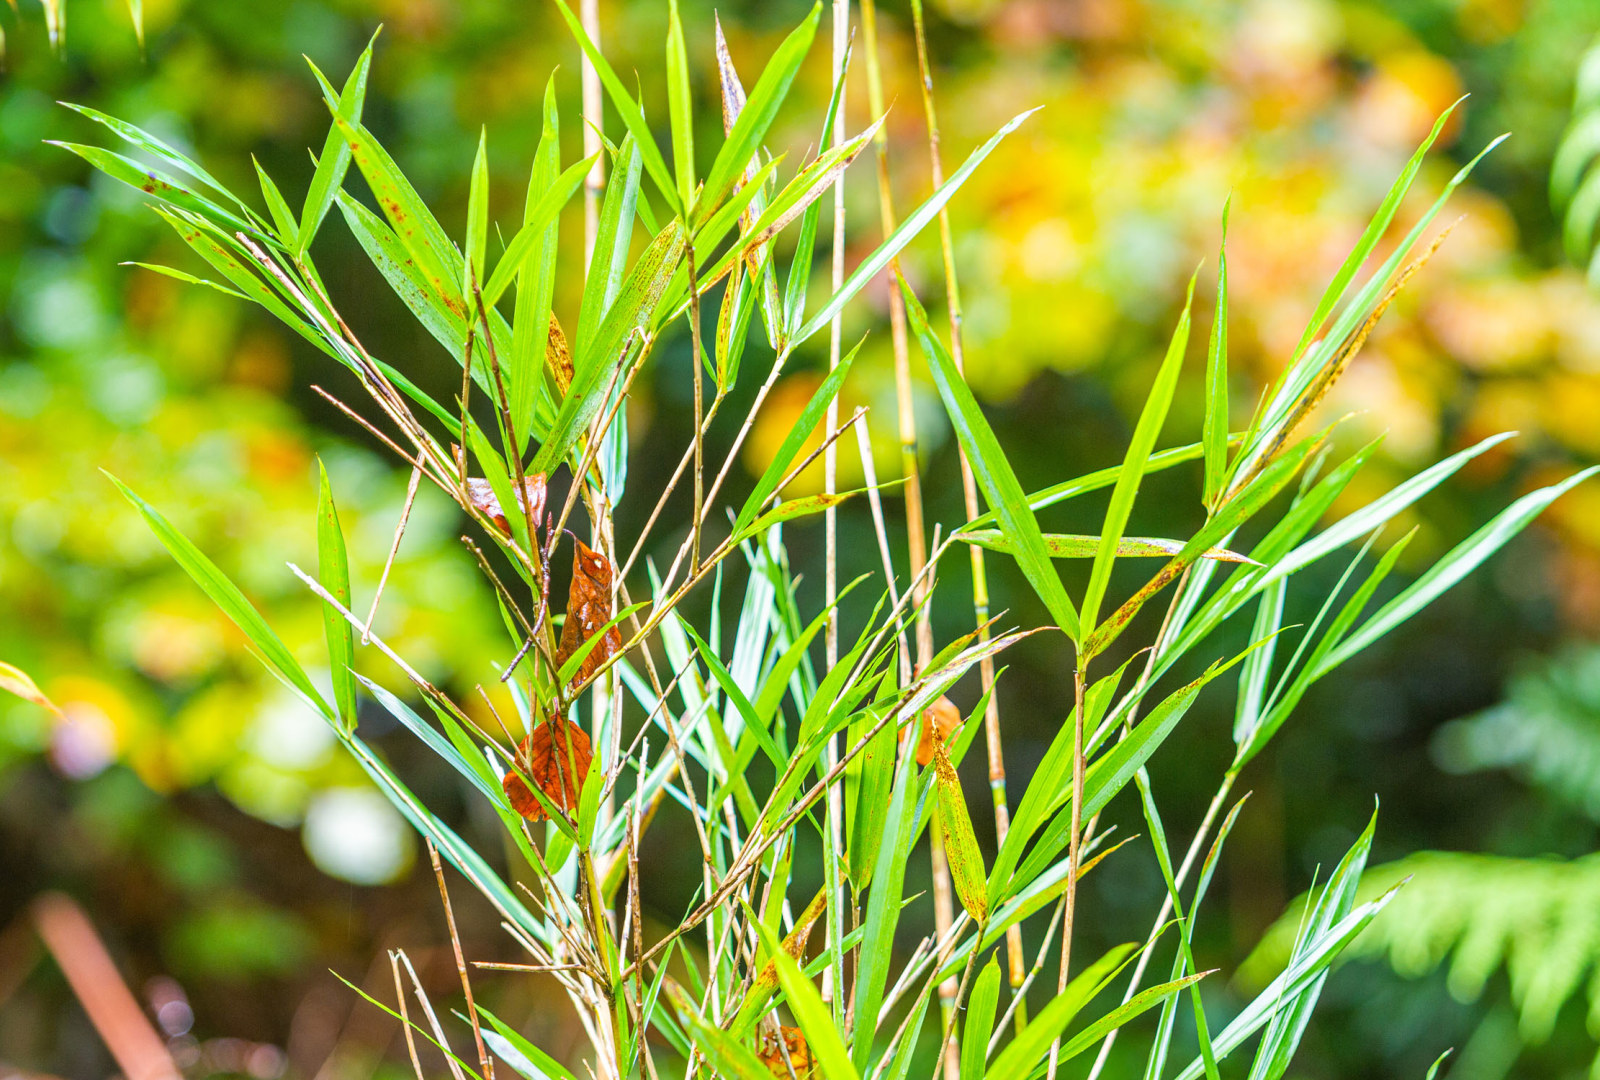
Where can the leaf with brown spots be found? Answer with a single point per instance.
(939, 722)
(16, 681)
(556, 757)
(483, 497)
(558, 357)
(787, 1056)
(588, 609)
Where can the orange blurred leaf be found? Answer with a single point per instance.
(791, 1053)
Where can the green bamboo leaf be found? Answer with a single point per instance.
(179, 275)
(333, 567)
(1126, 489)
(444, 318)
(1215, 435)
(1099, 479)
(226, 595)
(529, 1061)
(960, 842)
(1375, 514)
(592, 370)
(1460, 561)
(1302, 374)
(1374, 232)
(433, 740)
(282, 216)
(334, 160)
(536, 277)
(883, 906)
(1078, 546)
(1318, 955)
(805, 424)
(915, 222)
(141, 139)
(760, 109)
(993, 471)
(1018, 1060)
(418, 231)
(150, 182)
(979, 1023)
(477, 220)
(531, 244)
(794, 305)
(1225, 522)
(455, 850)
(612, 238)
(1119, 1017)
(627, 108)
(813, 1017)
(680, 105)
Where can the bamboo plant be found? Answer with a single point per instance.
(629, 712)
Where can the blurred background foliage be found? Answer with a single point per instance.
(218, 840)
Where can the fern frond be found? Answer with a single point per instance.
(1547, 730)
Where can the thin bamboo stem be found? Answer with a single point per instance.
(832, 979)
(1074, 847)
(969, 494)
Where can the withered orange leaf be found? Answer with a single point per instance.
(588, 609)
(484, 498)
(939, 722)
(556, 757)
(792, 1053)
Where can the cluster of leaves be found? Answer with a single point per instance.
(756, 744)
(1574, 177)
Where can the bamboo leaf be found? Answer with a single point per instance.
(812, 1016)
(536, 272)
(1215, 436)
(615, 232)
(760, 109)
(1118, 1017)
(334, 160)
(805, 424)
(883, 907)
(680, 105)
(979, 1023)
(1126, 489)
(1077, 546)
(333, 568)
(13, 680)
(530, 244)
(960, 842)
(874, 264)
(627, 108)
(993, 471)
(477, 219)
(282, 217)
(591, 370)
(1018, 1060)
(1456, 564)
(1374, 232)
(226, 595)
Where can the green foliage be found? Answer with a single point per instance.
(539, 428)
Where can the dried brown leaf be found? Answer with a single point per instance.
(588, 609)
(484, 498)
(556, 757)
